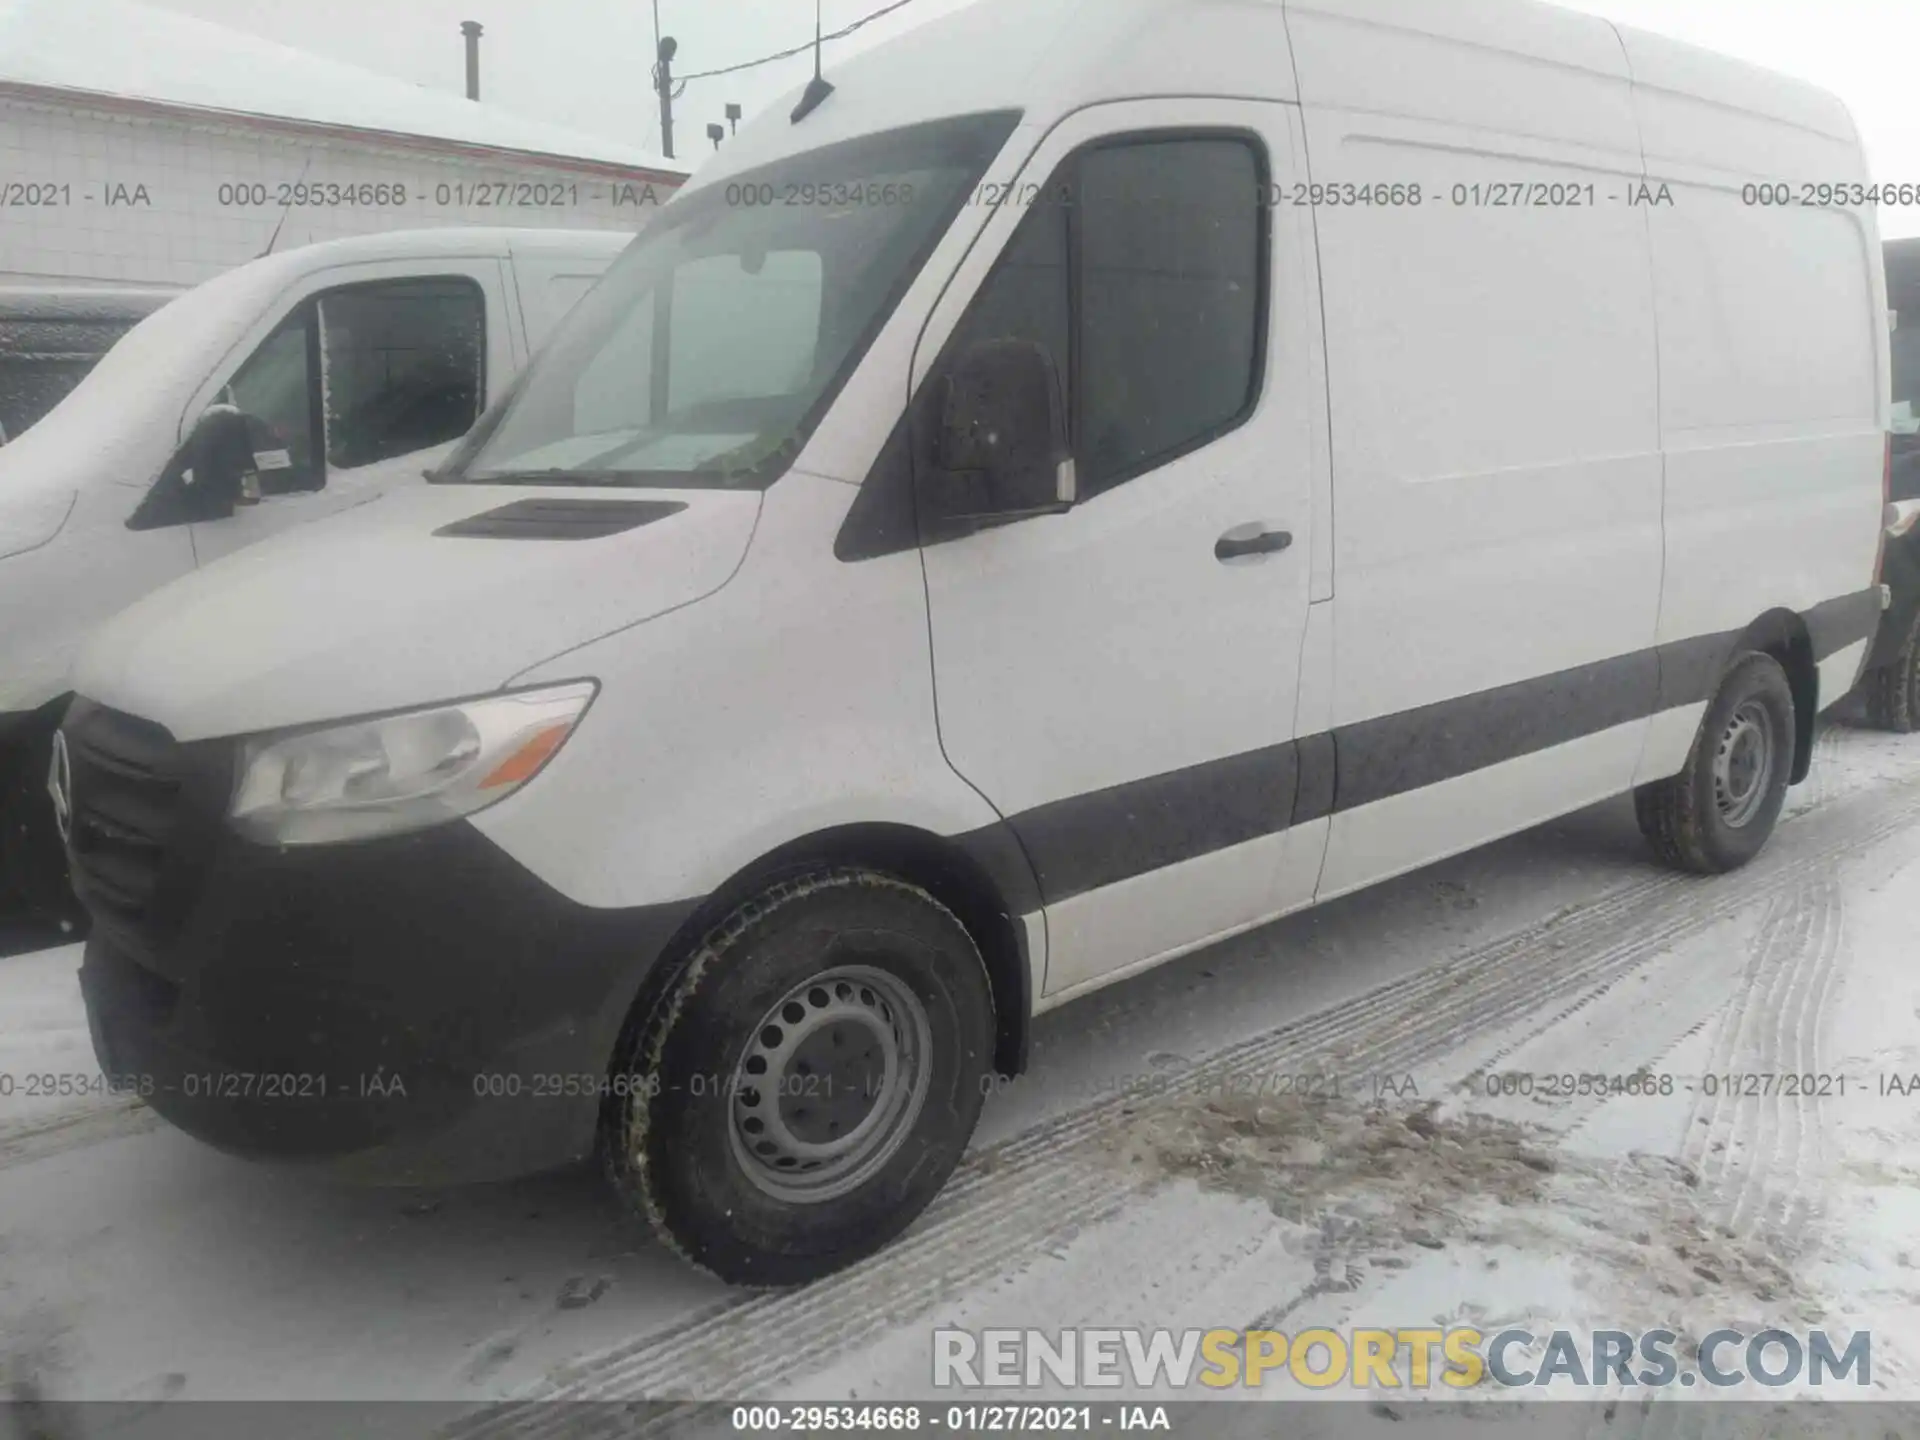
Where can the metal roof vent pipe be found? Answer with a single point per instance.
(471, 29)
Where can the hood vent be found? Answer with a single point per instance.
(558, 519)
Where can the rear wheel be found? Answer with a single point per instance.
(1718, 812)
(1893, 690)
(808, 1081)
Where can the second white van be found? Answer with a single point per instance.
(1033, 509)
(303, 383)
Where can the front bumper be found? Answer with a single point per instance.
(417, 1009)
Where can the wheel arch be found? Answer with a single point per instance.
(20, 727)
(1783, 635)
(984, 883)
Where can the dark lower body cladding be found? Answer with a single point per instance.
(414, 1010)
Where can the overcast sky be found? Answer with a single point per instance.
(585, 63)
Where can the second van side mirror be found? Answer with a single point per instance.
(1002, 424)
(206, 477)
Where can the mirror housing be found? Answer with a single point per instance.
(1002, 426)
(207, 477)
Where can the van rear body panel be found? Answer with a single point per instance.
(1774, 353)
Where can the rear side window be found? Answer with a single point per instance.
(43, 358)
(403, 364)
(1140, 269)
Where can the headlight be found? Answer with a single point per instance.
(399, 772)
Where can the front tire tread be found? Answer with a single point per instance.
(627, 1158)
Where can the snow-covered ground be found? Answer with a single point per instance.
(138, 1265)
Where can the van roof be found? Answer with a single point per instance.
(450, 241)
(1048, 58)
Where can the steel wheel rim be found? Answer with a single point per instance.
(1743, 765)
(830, 1084)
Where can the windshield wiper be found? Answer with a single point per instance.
(555, 477)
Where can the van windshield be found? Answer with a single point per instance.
(710, 350)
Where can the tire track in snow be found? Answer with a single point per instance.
(1822, 780)
(22, 1141)
(1755, 1139)
(1017, 1199)
(1612, 1030)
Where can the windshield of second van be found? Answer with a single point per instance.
(707, 354)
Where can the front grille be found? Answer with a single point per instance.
(126, 792)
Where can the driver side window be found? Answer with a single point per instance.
(362, 373)
(275, 391)
(404, 362)
(1140, 269)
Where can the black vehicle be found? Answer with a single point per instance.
(50, 339)
(1891, 685)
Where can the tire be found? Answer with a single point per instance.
(33, 863)
(1717, 813)
(841, 965)
(1893, 690)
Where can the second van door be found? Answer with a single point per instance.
(1120, 680)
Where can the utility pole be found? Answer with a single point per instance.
(664, 50)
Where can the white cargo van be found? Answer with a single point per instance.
(1048, 505)
(351, 364)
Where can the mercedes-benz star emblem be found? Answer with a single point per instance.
(60, 786)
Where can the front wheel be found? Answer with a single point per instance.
(1717, 813)
(808, 1081)
(1893, 690)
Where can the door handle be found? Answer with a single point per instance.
(1254, 539)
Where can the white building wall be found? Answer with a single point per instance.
(146, 195)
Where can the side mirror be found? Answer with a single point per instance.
(207, 477)
(1003, 426)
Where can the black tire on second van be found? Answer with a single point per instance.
(1893, 690)
(808, 1081)
(1717, 813)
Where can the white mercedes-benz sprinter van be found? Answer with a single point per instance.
(283, 390)
(1049, 504)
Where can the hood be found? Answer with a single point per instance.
(379, 609)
